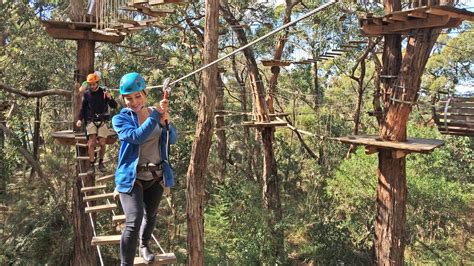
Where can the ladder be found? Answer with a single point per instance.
(98, 193)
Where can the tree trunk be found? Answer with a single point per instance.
(202, 141)
(83, 252)
(271, 191)
(392, 188)
(220, 133)
(249, 157)
(36, 134)
(317, 93)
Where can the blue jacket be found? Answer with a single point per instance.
(131, 136)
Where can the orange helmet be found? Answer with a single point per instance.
(93, 78)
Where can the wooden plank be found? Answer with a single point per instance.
(118, 218)
(349, 46)
(417, 14)
(133, 2)
(412, 144)
(163, 2)
(128, 21)
(100, 208)
(460, 124)
(98, 197)
(94, 188)
(457, 133)
(69, 34)
(160, 259)
(264, 124)
(272, 62)
(68, 137)
(398, 17)
(451, 12)
(105, 178)
(460, 111)
(105, 240)
(466, 118)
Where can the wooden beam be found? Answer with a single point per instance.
(68, 34)
(397, 154)
(398, 17)
(370, 150)
(430, 22)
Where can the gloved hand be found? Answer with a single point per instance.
(78, 123)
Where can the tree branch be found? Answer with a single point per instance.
(36, 94)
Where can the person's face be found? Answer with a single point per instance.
(93, 86)
(135, 101)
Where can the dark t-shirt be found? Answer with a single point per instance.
(95, 106)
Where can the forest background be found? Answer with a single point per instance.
(327, 194)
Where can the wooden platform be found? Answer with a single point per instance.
(402, 22)
(455, 116)
(77, 31)
(373, 142)
(160, 259)
(68, 137)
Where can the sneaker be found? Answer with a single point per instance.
(146, 254)
(102, 167)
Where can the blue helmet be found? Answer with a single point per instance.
(131, 82)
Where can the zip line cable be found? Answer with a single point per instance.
(284, 26)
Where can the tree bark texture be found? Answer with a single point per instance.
(220, 132)
(84, 252)
(202, 141)
(392, 188)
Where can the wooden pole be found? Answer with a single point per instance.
(83, 252)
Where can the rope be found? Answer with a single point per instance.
(284, 26)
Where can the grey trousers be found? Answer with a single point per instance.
(140, 207)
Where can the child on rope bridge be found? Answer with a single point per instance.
(143, 170)
(94, 111)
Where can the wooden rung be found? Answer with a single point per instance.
(99, 208)
(105, 178)
(160, 259)
(272, 62)
(264, 124)
(82, 145)
(82, 175)
(118, 218)
(98, 197)
(349, 46)
(105, 240)
(83, 158)
(89, 189)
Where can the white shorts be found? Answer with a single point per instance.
(101, 132)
